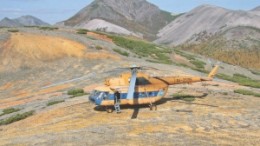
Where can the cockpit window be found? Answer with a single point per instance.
(99, 94)
(142, 81)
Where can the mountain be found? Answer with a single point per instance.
(206, 20)
(22, 21)
(6, 22)
(30, 21)
(256, 10)
(136, 16)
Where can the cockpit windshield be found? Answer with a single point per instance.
(99, 94)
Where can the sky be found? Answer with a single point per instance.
(53, 11)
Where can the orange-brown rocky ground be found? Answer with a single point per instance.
(217, 116)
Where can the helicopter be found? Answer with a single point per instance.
(138, 88)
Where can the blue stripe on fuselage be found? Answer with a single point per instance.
(136, 95)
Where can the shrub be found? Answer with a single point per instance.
(15, 118)
(241, 79)
(247, 92)
(99, 47)
(143, 48)
(82, 31)
(76, 92)
(124, 53)
(13, 30)
(48, 28)
(54, 102)
(9, 111)
(183, 97)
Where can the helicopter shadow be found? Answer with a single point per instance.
(136, 108)
(181, 99)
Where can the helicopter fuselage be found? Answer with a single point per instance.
(148, 90)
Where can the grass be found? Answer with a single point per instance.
(123, 53)
(9, 111)
(54, 102)
(240, 79)
(82, 31)
(76, 92)
(143, 48)
(15, 118)
(48, 28)
(247, 92)
(188, 56)
(99, 47)
(183, 97)
(199, 64)
(13, 30)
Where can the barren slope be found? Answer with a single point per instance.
(25, 50)
(204, 19)
(138, 16)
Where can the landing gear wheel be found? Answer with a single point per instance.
(153, 107)
(109, 109)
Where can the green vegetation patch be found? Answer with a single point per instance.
(13, 30)
(82, 31)
(9, 111)
(99, 47)
(54, 102)
(183, 97)
(15, 118)
(198, 63)
(76, 92)
(143, 48)
(241, 79)
(48, 28)
(188, 56)
(124, 53)
(247, 92)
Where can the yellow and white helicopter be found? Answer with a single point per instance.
(137, 88)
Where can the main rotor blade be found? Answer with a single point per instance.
(131, 89)
(68, 81)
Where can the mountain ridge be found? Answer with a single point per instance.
(26, 20)
(211, 19)
(138, 16)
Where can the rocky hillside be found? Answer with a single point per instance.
(22, 21)
(137, 16)
(205, 19)
(239, 46)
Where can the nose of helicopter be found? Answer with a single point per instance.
(95, 100)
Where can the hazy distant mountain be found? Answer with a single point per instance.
(22, 21)
(30, 21)
(205, 20)
(6, 22)
(137, 16)
(256, 10)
